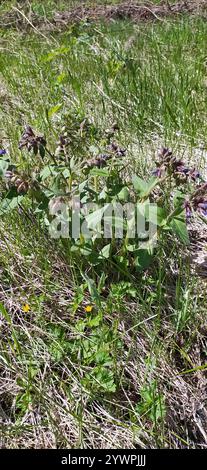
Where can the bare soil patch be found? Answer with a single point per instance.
(128, 10)
(133, 10)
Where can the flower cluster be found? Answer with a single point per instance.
(111, 131)
(20, 183)
(168, 164)
(100, 161)
(201, 206)
(32, 141)
(62, 143)
(15, 180)
(197, 202)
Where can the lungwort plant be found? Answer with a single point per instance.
(119, 218)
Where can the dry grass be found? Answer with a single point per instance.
(23, 16)
(159, 362)
(61, 411)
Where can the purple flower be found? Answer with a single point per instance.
(188, 210)
(200, 204)
(2, 152)
(194, 174)
(158, 172)
(188, 213)
(202, 208)
(183, 169)
(155, 172)
(190, 173)
(164, 153)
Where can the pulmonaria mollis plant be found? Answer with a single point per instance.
(37, 143)
(100, 161)
(97, 173)
(168, 164)
(197, 201)
(188, 180)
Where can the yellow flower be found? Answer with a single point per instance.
(26, 308)
(88, 308)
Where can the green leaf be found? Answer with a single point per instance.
(66, 173)
(42, 151)
(180, 229)
(94, 150)
(3, 167)
(40, 197)
(92, 289)
(139, 184)
(72, 163)
(99, 172)
(11, 193)
(105, 252)
(104, 358)
(143, 259)
(156, 214)
(123, 194)
(8, 204)
(47, 171)
(54, 110)
(94, 321)
(115, 222)
(142, 187)
(61, 78)
(95, 217)
(179, 198)
(55, 53)
(5, 313)
(131, 248)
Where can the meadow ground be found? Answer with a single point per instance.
(132, 371)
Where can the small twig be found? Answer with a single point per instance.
(26, 213)
(108, 97)
(151, 11)
(30, 23)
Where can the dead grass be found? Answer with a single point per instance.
(127, 10)
(51, 420)
(24, 18)
(60, 412)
